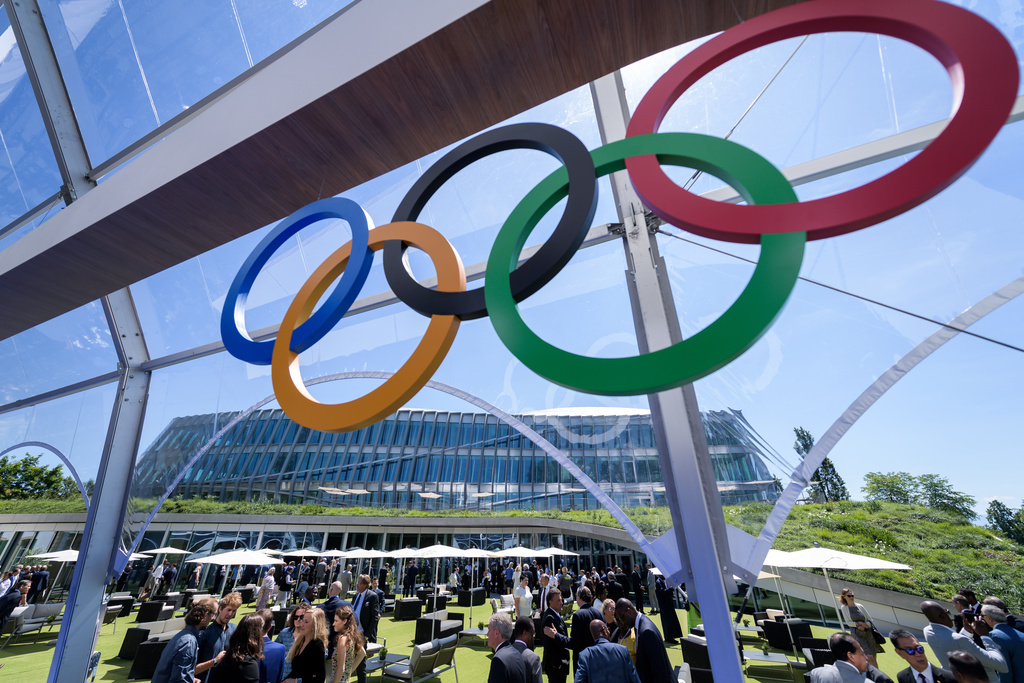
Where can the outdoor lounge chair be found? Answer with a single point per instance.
(20, 623)
(777, 633)
(439, 624)
(408, 608)
(419, 667)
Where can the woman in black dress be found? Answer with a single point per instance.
(240, 663)
(310, 647)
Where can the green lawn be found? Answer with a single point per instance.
(27, 660)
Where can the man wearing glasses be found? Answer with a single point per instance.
(920, 669)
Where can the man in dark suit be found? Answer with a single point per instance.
(912, 652)
(615, 590)
(375, 587)
(522, 640)
(556, 639)
(272, 664)
(638, 588)
(581, 637)
(330, 606)
(409, 582)
(652, 665)
(170, 574)
(365, 606)
(605, 662)
(40, 580)
(507, 665)
(540, 600)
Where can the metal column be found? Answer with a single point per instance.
(52, 96)
(690, 485)
(105, 518)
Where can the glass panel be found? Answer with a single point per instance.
(28, 171)
(68, 349)
(75, 425)
(132, 66)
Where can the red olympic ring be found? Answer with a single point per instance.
(981, 66)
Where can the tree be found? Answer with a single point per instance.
(1009, 522)
(828, 486)
(937, 493)
(929, 490)
(893, 487)
(26, 478)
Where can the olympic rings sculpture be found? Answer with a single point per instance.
(983, 71)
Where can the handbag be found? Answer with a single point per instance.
(879, 638)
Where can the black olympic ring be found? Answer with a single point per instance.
(540, 268)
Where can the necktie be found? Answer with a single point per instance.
(921, 678)
(359, 603)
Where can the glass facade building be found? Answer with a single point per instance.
(441, 460)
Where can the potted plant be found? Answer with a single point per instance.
(383, 654)
(482, 626)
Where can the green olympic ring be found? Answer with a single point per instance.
(735, 331)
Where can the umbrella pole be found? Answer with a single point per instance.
(842, 626)
(433, 622)
(475, 566)
(782, 603)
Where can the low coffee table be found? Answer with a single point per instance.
(375, 664)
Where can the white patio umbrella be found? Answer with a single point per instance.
(242, 558)
(301, 553)
(520, 551)
(827, 558)
(167, 550)
(360, 554)
(475, 554)
(60, 556)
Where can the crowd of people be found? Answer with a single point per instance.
(23, 585)
(982, 643)
(607, 637)
(318, 644)
(629, 648)
(327, 641)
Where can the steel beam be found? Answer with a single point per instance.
(52, 96)
(105, 518)
(690, 487)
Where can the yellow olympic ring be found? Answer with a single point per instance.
(289, 387)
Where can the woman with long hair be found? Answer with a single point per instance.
(859, 622)
(350, 647)
(241, 661)
(309, 648)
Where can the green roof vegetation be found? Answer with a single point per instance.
(946, 552)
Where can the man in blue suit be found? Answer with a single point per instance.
(605, 662)
(1008, 639)
(272, 664)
